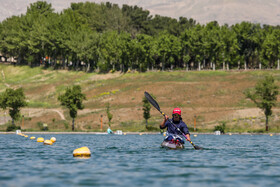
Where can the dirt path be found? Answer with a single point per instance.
(59, 113)
(4, 79)
(35, 112)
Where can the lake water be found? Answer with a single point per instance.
(134, 160)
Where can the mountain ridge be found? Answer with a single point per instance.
(203, 11)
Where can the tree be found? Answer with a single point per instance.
(148, 51)
(13, 100)
(73, 100)
(38, 35)
(109, 115)
(193, 51)
(109, 50)
(230, 47)
(270, 52)
(146, 109)
(169, 48)
(212, 44)
(264, 95)
(249, 38)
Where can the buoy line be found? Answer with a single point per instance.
(82, 152)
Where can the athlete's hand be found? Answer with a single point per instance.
(188, 137)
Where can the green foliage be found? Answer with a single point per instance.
(66, 125)
(221, 127)
(109, 115)
(152, 127)
(73, 100)
(146, 109)
(264, 95)
(36, 104)
(104, 37)
(13, 100)
(42, 126)
(12, 127)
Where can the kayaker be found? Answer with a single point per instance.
(172, 133)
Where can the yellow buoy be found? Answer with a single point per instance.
(271, 134)
(40, 139)
(53, 139)
(26, 136)
(140, 134)
(195, 135)
(230, 134)
(48, 142)
(32, 138)
(82, 152)
(124, 133)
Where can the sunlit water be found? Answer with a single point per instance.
(134, 160)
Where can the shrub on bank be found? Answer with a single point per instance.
(221, 127)
(12, 127)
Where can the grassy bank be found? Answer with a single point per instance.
(212, 96)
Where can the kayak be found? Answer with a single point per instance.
(172, 145)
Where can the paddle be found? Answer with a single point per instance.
(155, 104)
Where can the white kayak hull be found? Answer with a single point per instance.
(172, 145)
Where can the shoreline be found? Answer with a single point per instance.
(138, 133)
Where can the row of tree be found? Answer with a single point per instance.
(89, 36)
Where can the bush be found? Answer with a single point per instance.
(191, 129)
(42, 127)
(66, 125)
(12, 127)
(152, 128)
(103, 67)
(221, 127)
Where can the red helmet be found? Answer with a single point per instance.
(177, 111)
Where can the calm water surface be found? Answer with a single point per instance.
(134, 160)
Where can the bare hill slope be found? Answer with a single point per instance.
(211, 96)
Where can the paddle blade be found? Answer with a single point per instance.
(152, 101)
(195, 146)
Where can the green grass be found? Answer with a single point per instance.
(38, 104)
(20, 74)
(136, 126)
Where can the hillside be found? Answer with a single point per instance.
(203, 11)
(211, 96)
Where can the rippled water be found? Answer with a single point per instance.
(134, 160)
